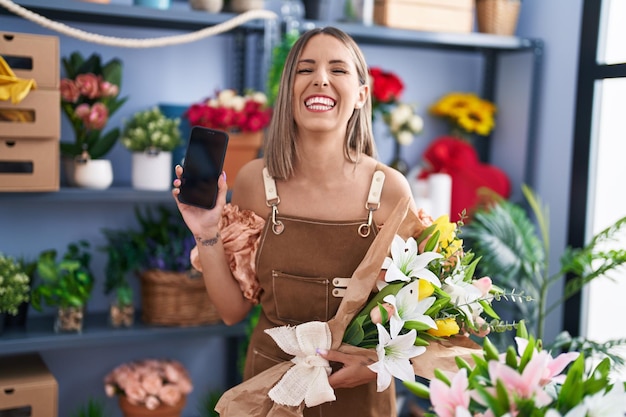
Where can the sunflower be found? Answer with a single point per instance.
(466, 112)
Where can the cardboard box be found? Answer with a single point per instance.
(38, 115)
(32, 56)
(426, 15)
(29, 164)
(27, 388)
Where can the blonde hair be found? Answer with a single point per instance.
(280, 151)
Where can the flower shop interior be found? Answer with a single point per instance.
(555, 131)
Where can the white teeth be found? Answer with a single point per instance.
(320, 103)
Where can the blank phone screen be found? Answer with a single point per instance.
(203, 164)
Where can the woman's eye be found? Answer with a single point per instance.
(340, 71)
(304, 70)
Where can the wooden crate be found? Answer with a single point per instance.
(426, 15)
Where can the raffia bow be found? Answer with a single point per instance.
(307, 380)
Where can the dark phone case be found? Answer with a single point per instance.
(202, 166)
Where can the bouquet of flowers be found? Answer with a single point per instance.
(466, 112)
(429, 292)
(526, 381)
(89, 97)
(231, 112)
(149, 382)
(401, 118)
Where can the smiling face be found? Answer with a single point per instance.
(326, 87)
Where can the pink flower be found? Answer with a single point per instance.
(377, 318)
(484, 284)
(108, 89)
(88, 85)
(450, 401)
(152, 402)
(170, 394)
(149, 382)
(69, 91)
(97, 118)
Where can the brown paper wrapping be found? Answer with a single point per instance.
(250, 398)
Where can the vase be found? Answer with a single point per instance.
(211, 6)
(132, 410)
(95, 174)
(152, 170)
(397, 162)
(122, 315)
(69, 320)
(242, 148)
(498, 17)
(155, 4)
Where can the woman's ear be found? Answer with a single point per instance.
(362, 97)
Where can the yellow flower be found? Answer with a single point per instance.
(466, 111)
(445, 327)
(426, 289)
(476, 118)
(448, 243)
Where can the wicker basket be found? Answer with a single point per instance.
(498, 17)
(175, 299)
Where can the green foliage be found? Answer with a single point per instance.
(515, 253)
(93, 408)
(67, 282)
(279, 56)
(151, 130)
(15, 277)
(487, 388)
(162, 241)
(207, 404)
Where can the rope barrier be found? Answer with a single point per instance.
(133, 42)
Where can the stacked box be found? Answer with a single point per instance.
(27, 388)
(426, 15)
(30, 130)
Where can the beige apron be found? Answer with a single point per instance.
(300, 271)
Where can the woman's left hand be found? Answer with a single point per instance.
(354, 371)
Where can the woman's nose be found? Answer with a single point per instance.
(321, 80)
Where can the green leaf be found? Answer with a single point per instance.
(417, 388)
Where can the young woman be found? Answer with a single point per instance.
(303, 215)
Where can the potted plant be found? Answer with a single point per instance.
(14, 287)
(151, 137)
(65, 284)
(503, 227)
(158, 252)
(243, 116)
(89, 97)
(169, 379)
(124, 251)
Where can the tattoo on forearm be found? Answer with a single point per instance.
(208, 242)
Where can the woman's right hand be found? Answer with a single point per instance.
(200, 219)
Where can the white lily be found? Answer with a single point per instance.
(463, 294)
(610, 404)
(405, 263)
(394, 356)
(407, 307)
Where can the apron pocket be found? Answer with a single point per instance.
(300, 299)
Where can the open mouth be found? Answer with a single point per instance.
(318, 103)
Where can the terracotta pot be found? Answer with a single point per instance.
(131, 410)
(242, 148)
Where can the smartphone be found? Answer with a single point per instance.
(202, 166)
